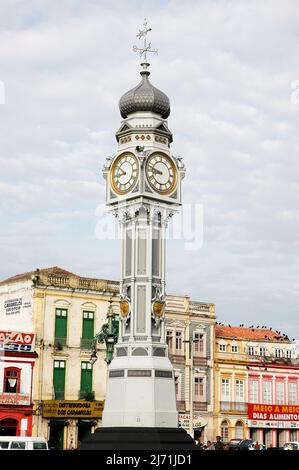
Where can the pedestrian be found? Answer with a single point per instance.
(256, 446)
(219, 443)
(209, 443)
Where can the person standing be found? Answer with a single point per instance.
(219, 443)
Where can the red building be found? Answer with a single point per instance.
(17, 359)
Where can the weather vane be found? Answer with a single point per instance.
(146, 46)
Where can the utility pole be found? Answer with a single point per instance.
(191, 385)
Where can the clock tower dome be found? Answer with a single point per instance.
(143, 190)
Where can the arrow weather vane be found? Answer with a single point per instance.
(146, 46)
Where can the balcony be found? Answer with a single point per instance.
(86, 343)
(200, 406)
(88, 395)
(59, 343)
(233, 407)
(176, 358)
(58, 394)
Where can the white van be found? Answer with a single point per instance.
(23, 443)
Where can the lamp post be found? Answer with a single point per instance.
(191, 342)
(108, 334)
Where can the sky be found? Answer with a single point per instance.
(230, 69)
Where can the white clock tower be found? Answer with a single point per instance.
(143, 182)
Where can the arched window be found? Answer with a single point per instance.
(224, 431)
(12, 380)
(239, 430)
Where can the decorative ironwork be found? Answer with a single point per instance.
(146, 46)
(108, 335)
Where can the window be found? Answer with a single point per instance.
(280, 392)
(225, 390)
(293, 435)
(18, 445)
(12, 380)
(60, 327)
(239, 430)
(39, 446)
(278, 353)
(251, 350)
(292, 393)
(169, 339)
(289, 353)
(198, 346)
(4, 444)
(222, 347)
(239, 390)
(234, 348)
(178, 340)
(86, 379)
(266, 391)
(262, 351)
(224, 431)
(198, 387)
(59, 379)
(253, 391)
(87, 329)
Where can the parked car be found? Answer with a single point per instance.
(234, 444)
(246, 444)
(294, 445)
(23, 443)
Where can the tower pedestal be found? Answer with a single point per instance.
(133, 438)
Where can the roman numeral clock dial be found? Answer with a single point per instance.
(161, 173)
(124, 173)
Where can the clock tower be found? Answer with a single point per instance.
(143, 190)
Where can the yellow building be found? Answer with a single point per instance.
(230, 410)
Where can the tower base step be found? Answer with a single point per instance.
(127, 438)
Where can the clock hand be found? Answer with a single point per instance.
(121, 172)
(155, 171)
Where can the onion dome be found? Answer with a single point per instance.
(144, 97)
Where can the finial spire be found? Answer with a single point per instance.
(146, 46)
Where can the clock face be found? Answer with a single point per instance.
(124, 173)
(161, 173)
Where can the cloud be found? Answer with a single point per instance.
(227, 68)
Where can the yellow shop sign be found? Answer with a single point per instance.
(72, 409)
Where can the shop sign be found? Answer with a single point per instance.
(17, 341)
(198, 421)
(273, 424)
(72, 409)
(15, 306)
(278, 413)
(14, 399)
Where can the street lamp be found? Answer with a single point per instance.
(191, 431)
(108, 335)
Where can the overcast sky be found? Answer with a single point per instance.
(228, 68)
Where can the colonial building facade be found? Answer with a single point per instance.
(190, 324)
(64, 311)
(17, 361)
(256, 385)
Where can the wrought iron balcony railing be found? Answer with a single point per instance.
(233, 406)
(86, 343)
(87, 395)
(59, 394)
(59, 342)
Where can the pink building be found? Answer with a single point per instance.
(273, 401)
